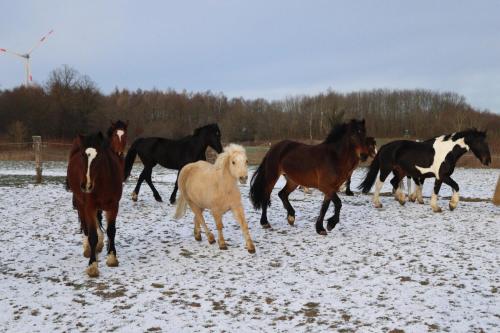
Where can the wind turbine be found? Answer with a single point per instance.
(27, 56)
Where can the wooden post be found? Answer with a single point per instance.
(496, 196)
(37, 147)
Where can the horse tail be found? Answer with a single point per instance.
(130, 158)
(181, 206)
(258, 184)
(371, 175)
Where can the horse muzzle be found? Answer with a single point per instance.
(243, 180)
(486, 160)
(87, 189)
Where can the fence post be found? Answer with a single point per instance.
(37, 147)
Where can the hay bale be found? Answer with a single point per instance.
(496, 196)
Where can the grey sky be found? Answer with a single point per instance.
(267, 49)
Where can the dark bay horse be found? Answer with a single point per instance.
(95, 177)
(171, 154)
(325, 166)
(434, 158)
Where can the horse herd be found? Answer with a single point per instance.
(97, 169)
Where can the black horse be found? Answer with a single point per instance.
(171, 154)
(434, 158)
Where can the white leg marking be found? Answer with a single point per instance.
(434, 204)
(454, 200)
(378, 186)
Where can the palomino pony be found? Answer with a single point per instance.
(95, 177)
(434, 158)
(214, 186)
(171, 154)
(325, 166)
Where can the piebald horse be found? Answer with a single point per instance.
(215, 187)
(434, 158)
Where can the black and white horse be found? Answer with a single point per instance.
(434, 158)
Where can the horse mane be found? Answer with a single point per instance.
(213, 126)
(469, 132)
(336, 133)
(228, 151)
(118, 125)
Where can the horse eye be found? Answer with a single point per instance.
(234, 163)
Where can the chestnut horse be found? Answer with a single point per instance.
(325, 166)
(95, 177)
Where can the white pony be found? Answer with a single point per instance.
(214, 186)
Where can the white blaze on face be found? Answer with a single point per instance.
(91, 154)
(120, 133)
(441, 150)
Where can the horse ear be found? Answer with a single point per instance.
(100, 136)
(80, 138)
(363, 121)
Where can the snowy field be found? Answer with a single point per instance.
(398, 268)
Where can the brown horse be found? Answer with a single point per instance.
(117, 136)
(325, 166)
(95, 177)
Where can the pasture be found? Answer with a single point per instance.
(403, 268)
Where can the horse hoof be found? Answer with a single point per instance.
(266, 226)
(92, 270)
(134, 196)
(291, 219)
(437, 210)
(349, 193)
(111, 260)
(223, 247)
(402, 202)
(330, 227)
(172, 201)
(251, 250)
(197, 237)
(159, 199)
(452, 207)
(211, 241)
(379, 205)
(322, 232)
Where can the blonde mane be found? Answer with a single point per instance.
(229, 150)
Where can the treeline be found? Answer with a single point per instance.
(70, 103)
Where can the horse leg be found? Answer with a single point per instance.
(85, 237)
(455, 196)
(111, 260)
(218, 221)
(332, 221)
(198, 214)
(378, 186)
(91, 220)
(348, 187)
(264, 222)
(100, 235)
(319, 222)
(239, 215)
(420, 199)
(434, 196)
(399, 195)
(174, 192)
(197, 230)
(135, 193)
(147, 178)
(283, 194)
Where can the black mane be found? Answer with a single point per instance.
(470, 132)
(336, 133)
(212, 127)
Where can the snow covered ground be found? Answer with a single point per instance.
(380, 270)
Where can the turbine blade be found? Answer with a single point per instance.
(11, 52)
(40, 42)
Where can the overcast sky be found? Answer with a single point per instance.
(268, 49)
